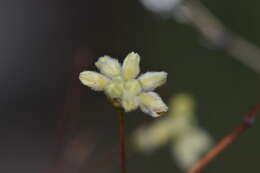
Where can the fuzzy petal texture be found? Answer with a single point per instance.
(152, 104)
(94, 80)
(114, 90)
(108, 66)
(130, 100)
(130, 103)
(131, 66)
(152, 80)
(133, 87)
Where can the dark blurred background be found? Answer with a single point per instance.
(51, 123)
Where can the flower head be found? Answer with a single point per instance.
(123, 87)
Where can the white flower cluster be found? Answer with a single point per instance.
(121, 86)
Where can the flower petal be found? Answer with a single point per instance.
(93, 80)
(152, 104)
(131, 66)
(108, 66)
(132, 87)
(130, 103)
(114, 89)
(152, 80)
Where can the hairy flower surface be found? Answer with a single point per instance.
(124, 88)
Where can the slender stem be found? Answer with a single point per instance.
(122, 141)
(226, 141)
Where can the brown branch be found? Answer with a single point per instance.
(226, 141)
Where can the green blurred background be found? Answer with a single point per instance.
(45, 44)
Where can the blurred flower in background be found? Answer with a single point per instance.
(180, 128)
(190, 146)
(167, 8)
(214, 34)
(162, 6)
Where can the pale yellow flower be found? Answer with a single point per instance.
(123, 88)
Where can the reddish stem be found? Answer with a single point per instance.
(122, 141)
(226, 141)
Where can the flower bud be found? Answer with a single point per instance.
(152, 80)
(93, 80)
(131, 66)
(108, 66)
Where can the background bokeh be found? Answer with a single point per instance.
(51, 123)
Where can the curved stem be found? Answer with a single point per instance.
(122, 141)
(226, 141)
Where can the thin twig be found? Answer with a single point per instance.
(219, 36)
(68, 120)
(226, 141)
(122, 141)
